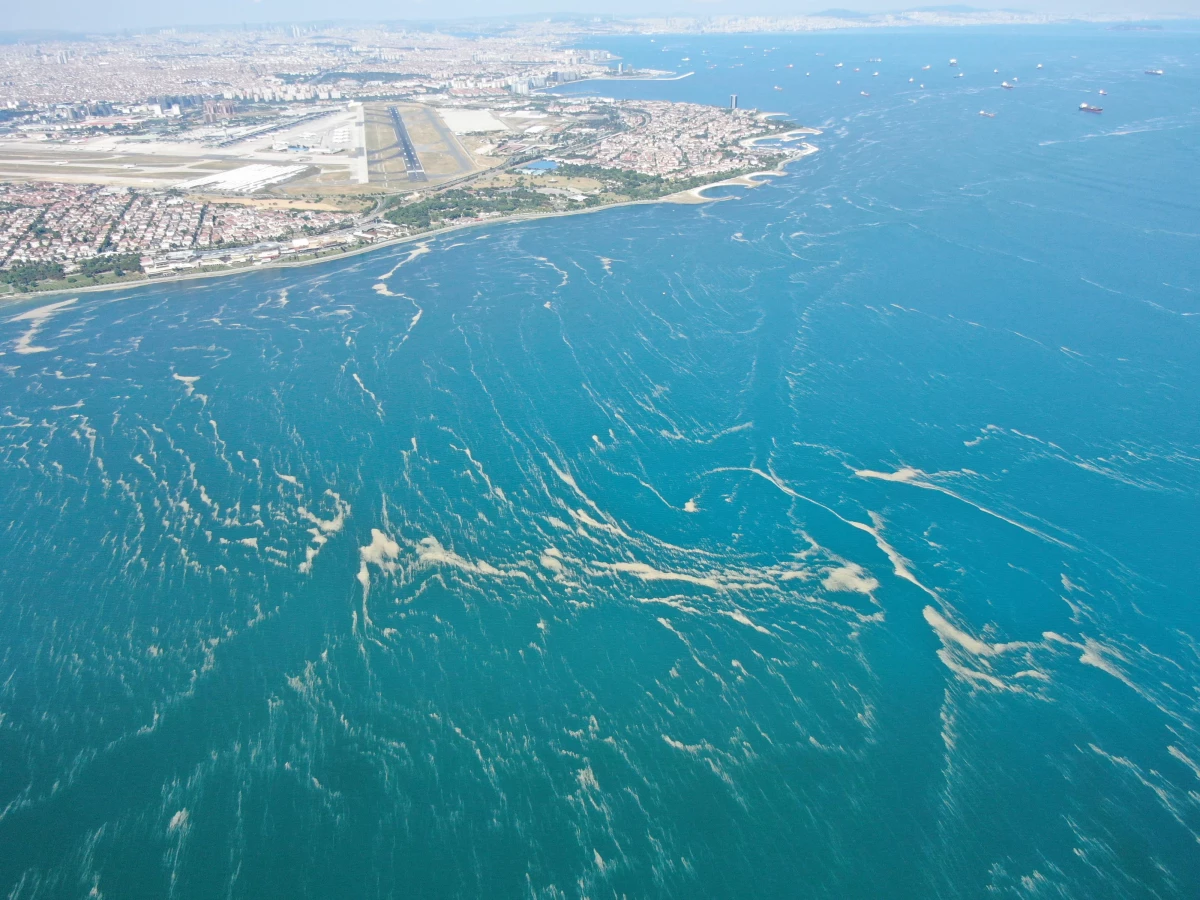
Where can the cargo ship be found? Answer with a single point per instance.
(1084, 107)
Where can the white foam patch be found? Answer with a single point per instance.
(42, 313)
(375, 400)
(580, 516)
(738, 616)
(1154, 782)
(675, 601)
(649, 573)
(566, 477)
(189, 383)
(917, 478)
(952, 634)
(976, 666)
(1097, 655)
(693, 749)
(972, 675)
(37, 318)
(419, 250)
(431, 552)
(329, 526)
(381, 552)
(1069, 585)
(1185, 759)
(905, 475)
(323, 528)
(899, 563)
(849, 577)
(796, 575)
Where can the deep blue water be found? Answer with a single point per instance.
(555, 560)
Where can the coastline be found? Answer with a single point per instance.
(747, 180)
(672, 77)
(786, 137)
(692, 196)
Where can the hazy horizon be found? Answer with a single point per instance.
(73, 16)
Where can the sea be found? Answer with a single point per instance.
(837, 538)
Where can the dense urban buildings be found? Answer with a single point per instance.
(156, 153)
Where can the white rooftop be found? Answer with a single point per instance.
(245, 179)
(471, 121)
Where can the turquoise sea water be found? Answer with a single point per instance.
(838, 539)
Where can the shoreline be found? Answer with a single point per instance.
(675, 77)
(614, 77)
(691, 196)
(747, 180)
(786, 138)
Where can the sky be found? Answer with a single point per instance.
(76, 15)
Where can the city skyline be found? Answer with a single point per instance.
(52, 17)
